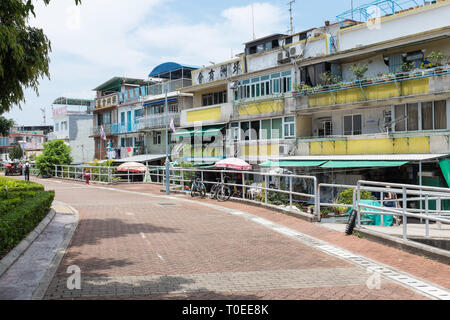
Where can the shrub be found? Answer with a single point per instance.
(54, 153)
(359, 70)
(22, 208)
(346, 196)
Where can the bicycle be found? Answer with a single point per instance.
(221, 191)
(198, 187)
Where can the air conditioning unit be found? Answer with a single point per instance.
(233, 85)
(292, 51)
(284, 150)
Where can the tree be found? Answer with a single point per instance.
(55, 152)
(15, 153)
(5, 126)
(24, 52)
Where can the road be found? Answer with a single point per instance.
(133, 242)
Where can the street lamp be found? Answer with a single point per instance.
(167, 143)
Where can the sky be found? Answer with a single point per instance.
(102, 39)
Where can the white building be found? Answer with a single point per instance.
(73, 123)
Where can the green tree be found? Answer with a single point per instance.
(24, 52)
(5, 126)
(15, 153)
(54, 153)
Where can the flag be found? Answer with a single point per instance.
(102, 133)
(172, 125)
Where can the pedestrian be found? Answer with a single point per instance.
(27, 171)
(392, 204)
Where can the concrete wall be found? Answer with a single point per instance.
(401, 25)
(83, 148)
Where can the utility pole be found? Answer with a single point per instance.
(291, 18)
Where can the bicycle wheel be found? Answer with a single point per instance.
(224, 193)
(193, 189)
(351, 223)
(213, 191)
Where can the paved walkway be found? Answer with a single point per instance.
(26, 278)
(132, 242)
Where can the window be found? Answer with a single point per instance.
(353, 125)
(413, 116)
(260, 48)
(325, 128)
(122, 118)
(266, 129)
(137, 113)
(254, 133)
(173, 108)
(277, 128)
(434, 115)
(56, 126)
(214, 98)
(288, 40)
(289, 127)
(235, 131)
(156, 138)
(400, 117)
(244, 128)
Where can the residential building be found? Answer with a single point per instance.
(105, 114)
(30, 138)
(73, 123)
(294, 98)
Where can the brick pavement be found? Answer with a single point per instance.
(130, 235)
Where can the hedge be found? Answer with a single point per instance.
(22, 208)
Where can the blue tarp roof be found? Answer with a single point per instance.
(168, 67)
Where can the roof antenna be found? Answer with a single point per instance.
(291, 19)
(253, 22)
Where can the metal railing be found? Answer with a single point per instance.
(389, 78)
(179, 178)
(157, 121)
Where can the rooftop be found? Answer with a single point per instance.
(114, 84)
(166, 69)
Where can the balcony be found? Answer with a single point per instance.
(118, 128)
(419, 142)
(158, 121)
(95, 131)
(416, 82)
(173, 85)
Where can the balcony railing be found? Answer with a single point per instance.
(385, 79)
(118, 128)
(158, 121)
(95, 131)
(173, 85)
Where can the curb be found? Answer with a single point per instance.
(300, 215)
(39, 293)
(416, 248)
(15, 253)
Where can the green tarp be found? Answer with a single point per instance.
(363, 164)
(445, 167)
(292, 163)
(375, 219)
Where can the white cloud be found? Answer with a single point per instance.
(105, 38)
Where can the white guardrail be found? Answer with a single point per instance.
(298, 190)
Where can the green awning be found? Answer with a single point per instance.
(184, 133)
(205, 132)
(212, 131)
(292, 163)
(445, 167)
(363, 164)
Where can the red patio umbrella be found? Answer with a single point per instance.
(233, 163)
(132, 167)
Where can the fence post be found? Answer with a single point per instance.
(290, 192)
(182, 179)
(128, 175)
(405, 221)
(382, 204)
(427, 222)
(358, 199)
(438, 209)
(56, 171)
(243, 185)
(266, 182)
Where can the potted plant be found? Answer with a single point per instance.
(437, 59)
(359, 71)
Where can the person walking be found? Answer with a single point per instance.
(393, 204)
(27, 171)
